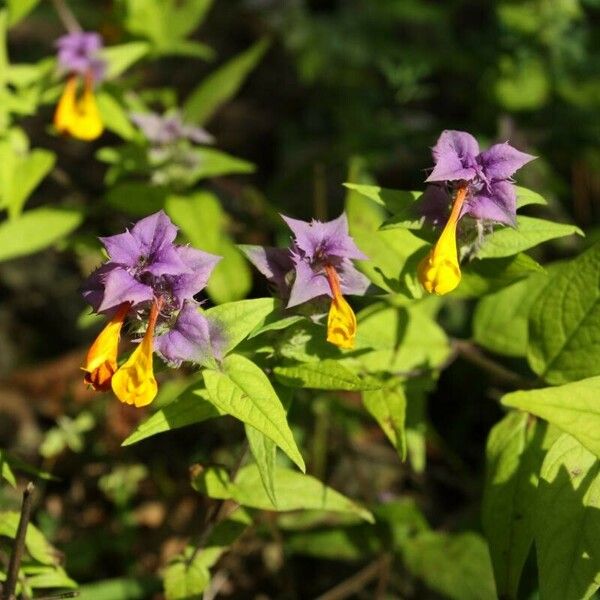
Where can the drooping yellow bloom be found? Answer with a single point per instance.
(341, 321)
(439, 271)
(101, 360)
(77, 114)
(134, 383)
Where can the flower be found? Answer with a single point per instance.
(169, 128)
(318, 263)
(77, 113)
(150, 278)
(481, 186)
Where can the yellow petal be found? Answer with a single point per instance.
(439, 271)
(341, 324)
(101, 360)
(78, 117)
(134, 383)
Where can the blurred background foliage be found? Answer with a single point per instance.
(335, 80)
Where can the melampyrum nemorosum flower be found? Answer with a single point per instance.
(479, 184)
(318, 263)
(152, 281)
(77, 112)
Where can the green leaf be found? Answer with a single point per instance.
(238, 319)
(190, 408)
(48, 578)
(514, 456)
(120, 589)
(5, 470)
(573, 407)
(564, 324)
(165, 22)
(19, 9)
(137, 199)
(205, 224)
(276, 323)
(264, 452)
(222, 84)
(323, 375)
(529, 232)
(214, 163)
(501, 319)
(114, 116)
(36, 230)
(401, 339)
(121, 57)
(245, 392)
(393, 255)
(567, 528)
(457, 566)
(35, 542)
(481, 277)
(387, 405)
(295, 491)
(526, 197)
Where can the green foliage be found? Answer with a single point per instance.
(242, 389)
(567, 525)
(295, 491)
(573, 407)
(457, 566)
(6, 472)
(564, 322)
(222, 84)
(35, 230)
(515, 451)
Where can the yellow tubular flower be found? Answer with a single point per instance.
(76, 116)
(101, 360)
(341, 321)
(439, 271)
(134, 382)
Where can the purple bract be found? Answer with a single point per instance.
(78, 52)
(491, 193)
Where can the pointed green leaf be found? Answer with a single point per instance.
(295, 491)
(19, 9)
(457, 566)
(564, 324)
(567, 528)
(514, 456)
(529, 232)
(573, 407)
(191, 407)
(36, 544)
(323, 375)
(238, 319)
(387, 405)
(501, 319)
(245, 392)
(526, 197)
(114, 116)
(264, 452)
(214, 163)
(222, 84)
(35, 230)
(121, 57)
(5, 470)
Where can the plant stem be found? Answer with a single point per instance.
(473, 354)
(19, 544)
(65, 14)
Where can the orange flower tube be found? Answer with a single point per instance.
(101, 360)
(78, 116)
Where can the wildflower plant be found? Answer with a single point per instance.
(315, 392)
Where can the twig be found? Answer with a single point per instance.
(66, 16)
(357, 582)
(473, 354)
(19, 544)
